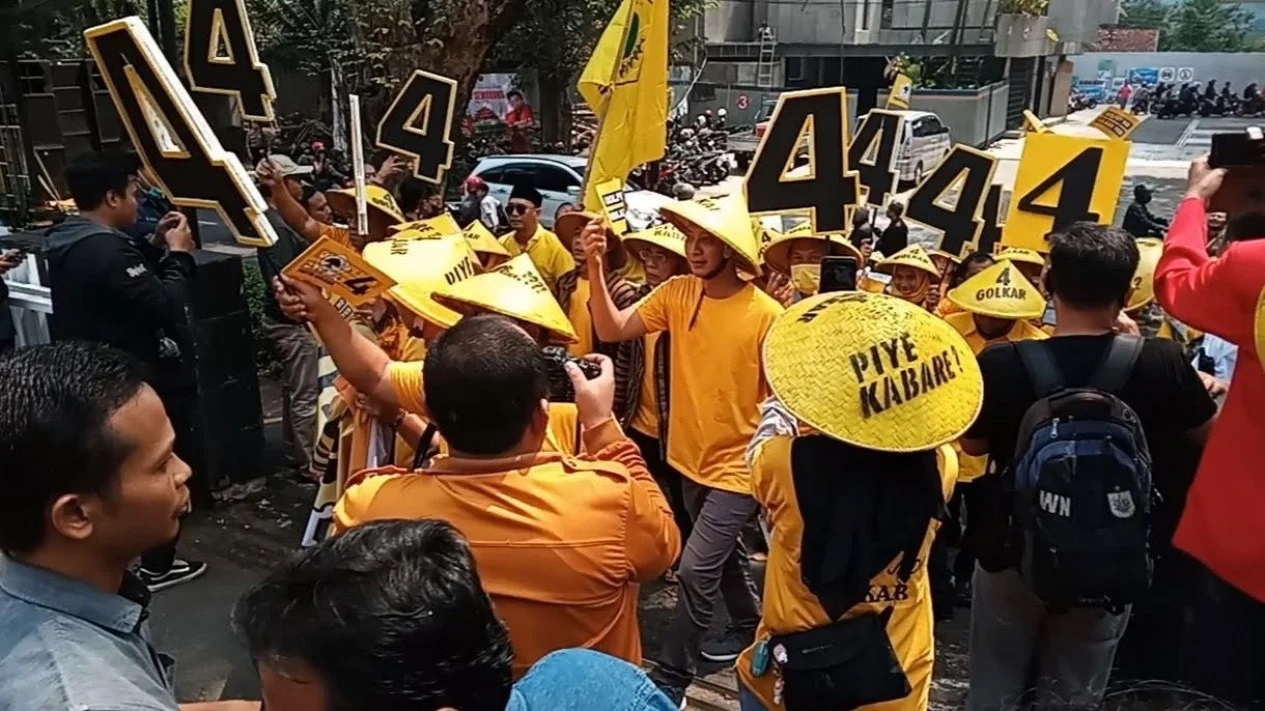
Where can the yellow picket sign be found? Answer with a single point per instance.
(611, 194)
(339, 270)
(902, 91)
(1034, 123)
(1061, 180)
(1116, 123)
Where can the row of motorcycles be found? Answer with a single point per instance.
(697, 154)
(1171, 101)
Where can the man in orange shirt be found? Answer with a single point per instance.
(562, 543)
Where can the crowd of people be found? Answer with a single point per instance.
(529, 426)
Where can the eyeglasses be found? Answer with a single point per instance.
(517, 208)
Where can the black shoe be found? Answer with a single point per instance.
(181, 571)
(727, 646)
(674, 692)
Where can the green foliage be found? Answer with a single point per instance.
(1023, 7)
(254, 288)
(1192, 25)
(1146, 14)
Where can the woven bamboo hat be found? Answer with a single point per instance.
(1149, 251)
(420, 267)
(664, 236)
(383, 210)
(873, 371)
(1000, 291)
(439, 226)
(777, 253)
(482, 241)
(912, 256)
(726, 218)
(514, 289)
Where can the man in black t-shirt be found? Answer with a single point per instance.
(896, 236)
(1017, 645)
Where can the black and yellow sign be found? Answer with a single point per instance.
(1061, 180)
(1033, 123)
(340, 271)
(950, 200)
(419, 124)
(220, 57)
(902, 92)
(872, 154)
(819, 117)
(171, 135)
(1115, 122)
(614, 207)
(989, 239)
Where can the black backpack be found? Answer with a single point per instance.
(1082, 481)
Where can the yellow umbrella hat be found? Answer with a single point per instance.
(873, 371)
(1000, 291)
(482, 241)
(422, 266)
(1149, 251)
(777, 253)
(665, 236)
(912, 256)
(725, 218)
(438, 226)
(1022, 256)
(514, 289)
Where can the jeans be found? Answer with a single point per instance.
(584, 680)
(1020, 648)
(300, 388)
(713, 563)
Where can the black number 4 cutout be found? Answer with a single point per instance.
(1077, 178)
(419, 124)
(822, 115)
(220, 57)
(960, 223)
(170, 133)
(879, 133)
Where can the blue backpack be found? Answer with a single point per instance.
(1082, 483)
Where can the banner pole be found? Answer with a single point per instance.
(358, 166)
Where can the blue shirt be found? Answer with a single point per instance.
(1223, 354)
(584, 680)
(65, 645)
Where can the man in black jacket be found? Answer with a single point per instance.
(1138, 220)
(131, 294)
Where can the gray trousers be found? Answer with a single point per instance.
(1021, 651)
(713, 564)
(299, 354)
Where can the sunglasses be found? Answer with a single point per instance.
(518, 208)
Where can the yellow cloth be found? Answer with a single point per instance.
(646, 419)
(634, 271)
(338, 233)
(626, 85)
(564, 420)
(790, 607)
(717, 380)
(545, 250)
(972, 468)
(581, 320)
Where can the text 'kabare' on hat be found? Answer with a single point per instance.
(873, 371)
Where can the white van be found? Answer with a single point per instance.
(925, 141)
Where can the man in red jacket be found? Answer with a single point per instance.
(1222, 525)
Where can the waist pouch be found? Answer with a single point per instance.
(842, 666)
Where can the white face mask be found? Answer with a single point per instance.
(806, 278)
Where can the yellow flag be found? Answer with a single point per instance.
(626, 85)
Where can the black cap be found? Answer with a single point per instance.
(528, 193)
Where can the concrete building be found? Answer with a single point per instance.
(792, 44)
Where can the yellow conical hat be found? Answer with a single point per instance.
(440, 226)
(912, 256)
(482, 241)
(777, 253)
(514, 289)
(1149, 251)
(873, 371)
(1000, 291)
(422, 266)
(378, 199)
(664, 236)
(1020, 255)
(725, 217)
(764, 235)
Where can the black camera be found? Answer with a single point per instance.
(560, 388)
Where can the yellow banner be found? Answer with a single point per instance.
(902, 91)
(1061, 180)
(1116, 123)
(611, 193)
(339, 270)
(626, 84)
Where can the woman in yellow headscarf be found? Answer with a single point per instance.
(913, 274)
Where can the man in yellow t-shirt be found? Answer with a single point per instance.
(544, 248)
(716, 322)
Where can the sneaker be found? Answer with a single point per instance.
(727, 646)
(674, 692)
(182, 571)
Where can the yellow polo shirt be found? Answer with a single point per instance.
(972, 468)
(581, 320)
(545, 250)
(646, 419)
(716, 378)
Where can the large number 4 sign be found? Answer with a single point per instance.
(1061, 180)
(820, 117)
(951, 199)
(220, 57)
(170, 133)
(419, 124)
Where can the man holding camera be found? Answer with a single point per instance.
(562, 542)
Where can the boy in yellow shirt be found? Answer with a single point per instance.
(716, 321)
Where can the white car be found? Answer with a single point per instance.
(924, 142)
(559, 179)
